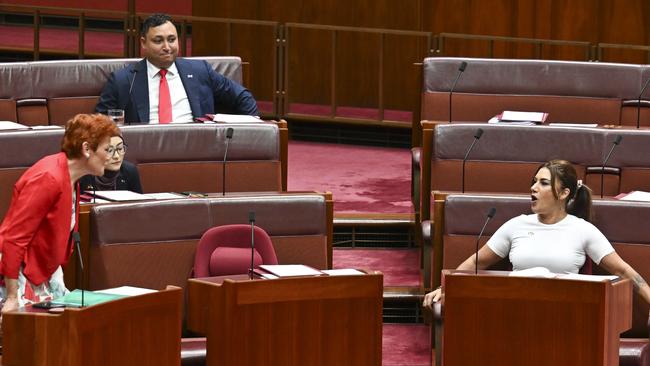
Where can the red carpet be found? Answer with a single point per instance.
(362, 179)
(400, 267)
(406, 345)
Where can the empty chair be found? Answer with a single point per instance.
(226, 250)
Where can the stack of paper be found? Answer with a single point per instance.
(290, 270)
(8, 125)
(636, 196)
(520, 118)
(235, 118)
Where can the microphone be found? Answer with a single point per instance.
(490, 215)
(477, 136)
(251, 220)
(229, 133)
(461, 69)
(615, 143)
(638, 106)
(135, 73)
(77, 239)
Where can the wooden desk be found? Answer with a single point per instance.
(134, 331)
(496, 319)
(325, 320)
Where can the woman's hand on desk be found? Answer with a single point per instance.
(10, 304)
(431, 297)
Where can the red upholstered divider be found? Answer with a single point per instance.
(148, 6)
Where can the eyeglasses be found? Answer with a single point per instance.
(120, 150)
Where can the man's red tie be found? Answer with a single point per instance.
(165, 100)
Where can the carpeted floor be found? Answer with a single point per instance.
(400, 266)
(406, 345)
(362, 179)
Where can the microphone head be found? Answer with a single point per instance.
(618, 139)
(478, 133)
(229, 132)
(462, 67)
(492, 212)
(251, 216)
(76, 237)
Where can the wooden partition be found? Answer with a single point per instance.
(320, 321)
(127, 243)
(139, 330)
(496, 319)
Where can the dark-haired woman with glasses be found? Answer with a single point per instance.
(118, 175)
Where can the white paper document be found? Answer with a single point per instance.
(126, 291)
(637, 196)
(235, 118)
(164, 196)
(536, 272)
(290, 270)
(120, 195)
(9, 125)
(586, 277)
(342, 272)
(537, 117)
(583, 125)
(541, 272)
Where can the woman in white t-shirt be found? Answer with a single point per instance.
(557, 236)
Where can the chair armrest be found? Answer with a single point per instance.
(427, 253)
(416, 153)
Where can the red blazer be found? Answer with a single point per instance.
(36, 230)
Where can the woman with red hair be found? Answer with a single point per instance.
(35, 236)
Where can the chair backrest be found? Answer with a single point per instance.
(226, 250)
(51, 92)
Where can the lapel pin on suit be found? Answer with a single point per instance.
(189, 76)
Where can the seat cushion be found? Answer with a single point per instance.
(228, 261)
(634, 352)
(193, 351)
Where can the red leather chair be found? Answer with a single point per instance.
(226, 250)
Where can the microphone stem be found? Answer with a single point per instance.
(638, 112)
(223, 173)
(252, 249)
(602, 171)
(477, 241)
(471, 146)
(451, 91)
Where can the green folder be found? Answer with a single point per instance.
(73, 299)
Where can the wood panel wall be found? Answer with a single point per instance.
(310, 51)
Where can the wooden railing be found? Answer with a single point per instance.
(383, 78)
(538, 44)
(337, 60)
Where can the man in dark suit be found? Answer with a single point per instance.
(163, 88)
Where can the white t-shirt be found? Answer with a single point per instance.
(559, 247)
